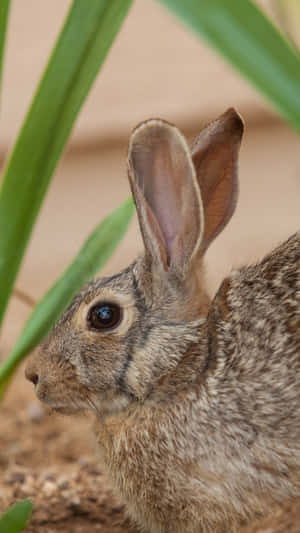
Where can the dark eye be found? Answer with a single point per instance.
(104, 315)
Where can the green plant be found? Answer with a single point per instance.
(4, 9)
(15, 519)
(242, 33)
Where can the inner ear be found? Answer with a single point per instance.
(166, 193)
(215, 155)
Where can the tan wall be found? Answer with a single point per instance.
(155, 68)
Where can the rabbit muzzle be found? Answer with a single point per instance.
(54, 388)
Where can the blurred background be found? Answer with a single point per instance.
(156, 68)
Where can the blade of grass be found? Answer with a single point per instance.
(244, 35)
(4, 10)
(87, 35)
(15, 519)
(94, 253)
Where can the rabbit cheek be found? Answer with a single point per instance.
(57, 387)
(98, 369)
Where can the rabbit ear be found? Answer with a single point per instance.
(166, 193)
(215, 155)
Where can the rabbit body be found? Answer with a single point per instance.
(197, 406)
(218, 439)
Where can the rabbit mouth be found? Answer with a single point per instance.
(60, 408)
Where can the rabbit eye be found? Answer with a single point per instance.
(104, 315)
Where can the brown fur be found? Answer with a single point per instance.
(197, 419)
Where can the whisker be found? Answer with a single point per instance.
(93, 405)
(77, 406)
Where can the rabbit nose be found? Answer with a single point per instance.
(31, 374)
(34, 378)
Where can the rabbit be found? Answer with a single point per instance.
(196, 404)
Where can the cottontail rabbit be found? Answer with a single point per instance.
(197, 419)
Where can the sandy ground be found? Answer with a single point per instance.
(52, 459)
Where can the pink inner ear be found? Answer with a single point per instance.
(215, 154)
(163, 194)
(217, 174)
(162, 169)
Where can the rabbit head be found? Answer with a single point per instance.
(123, 333)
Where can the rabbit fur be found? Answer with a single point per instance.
(197, 406)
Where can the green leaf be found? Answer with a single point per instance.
(16, 517)
(87, 35)
(246, 37)
(4, 10)
(92, 256)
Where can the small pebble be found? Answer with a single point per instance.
(67, 494)
(62, 483)
(48, 474)
(75, 500)
(49, 488)
(28, 485)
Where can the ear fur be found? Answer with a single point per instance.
(183, 197)
(215, 155)
(166, 193)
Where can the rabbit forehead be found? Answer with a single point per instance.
(120, 283)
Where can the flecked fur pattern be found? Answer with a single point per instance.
(197, 417)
